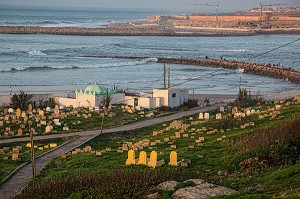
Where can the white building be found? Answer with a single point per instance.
(92, 96)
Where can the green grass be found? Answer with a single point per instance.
(7, 166)
(207, 160)
(76, 124)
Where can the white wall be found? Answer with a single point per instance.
(181, 96)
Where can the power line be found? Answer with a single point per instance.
(210, 73)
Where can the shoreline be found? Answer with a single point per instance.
(140, 31)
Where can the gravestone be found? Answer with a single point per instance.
(10, 110)
(41, 113)
(200, 116)
(222, 109)
(87, 149)
(53, 145)
(20, 132)
(29, 109)
(173, 159)
(5, 111)
(18, 112)
(48, 109)
(131, 157)
(23, 114)
(48, 129)
(153, 159)
(218, 116)
(248, 112)
(15, 156)
(143, 158)
(234, 110)
(206, 115)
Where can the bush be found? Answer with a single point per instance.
(289, 131)
(116, 184)
(21, 100)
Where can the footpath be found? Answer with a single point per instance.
(19, 180)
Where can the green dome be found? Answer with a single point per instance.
(94, 89)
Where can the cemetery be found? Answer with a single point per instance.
(224, 146)
(61, 119)
(14, 154)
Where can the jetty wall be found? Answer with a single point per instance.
(266, 70)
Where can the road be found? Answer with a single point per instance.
(20, 179)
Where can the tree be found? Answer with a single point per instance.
(106, 99)
(21, 100)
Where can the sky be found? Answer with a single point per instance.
(225, 5)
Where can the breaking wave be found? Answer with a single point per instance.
(35, 52)
(238, 50)
(108, 65)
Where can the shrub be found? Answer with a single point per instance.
(289, 131)
(117, 184)
(21, 100)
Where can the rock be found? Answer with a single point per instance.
(196, 181)
(220, 173)
(201, 191)
(153, 196)
(167, 186)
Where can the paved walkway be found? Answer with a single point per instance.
(21, 178)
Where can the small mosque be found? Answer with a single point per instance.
(91, 96)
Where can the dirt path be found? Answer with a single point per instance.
(21, 178)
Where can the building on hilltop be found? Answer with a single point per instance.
(91, 96)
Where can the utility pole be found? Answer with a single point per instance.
(32, 151)
(165, 71)
(217, 11)
(104, 107)
(169, 79)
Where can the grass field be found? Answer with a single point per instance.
(239, 153)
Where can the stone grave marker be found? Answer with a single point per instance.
(48, 129)
(222, 109)
(206, 115)
(11, 110)
(143, 158)
(15, 156)
(23, 114)
(20, 132)
(29, 109)
(173, 159)
(131, 157)
(218, 116)
(18, 112)
(48, 109)
(200, 116)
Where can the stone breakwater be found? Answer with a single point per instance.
(131, 31)
(266, 70)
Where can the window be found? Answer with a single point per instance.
(173, 94)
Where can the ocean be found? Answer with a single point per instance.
(55, 63)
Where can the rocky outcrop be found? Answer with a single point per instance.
(200, 190)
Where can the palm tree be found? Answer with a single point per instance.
(106, 99)
(21, 100)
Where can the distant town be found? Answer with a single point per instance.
(264, 20)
